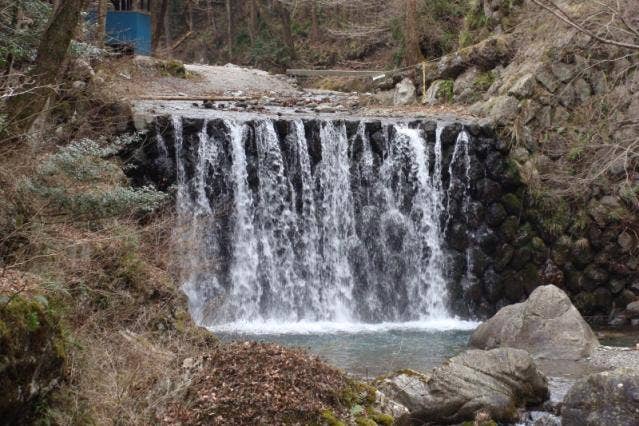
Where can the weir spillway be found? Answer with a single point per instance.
(323, 219)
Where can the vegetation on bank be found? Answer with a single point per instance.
(93, 326)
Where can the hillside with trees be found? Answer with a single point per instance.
(95, 327)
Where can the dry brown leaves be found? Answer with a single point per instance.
(14, 282)
(256, 383)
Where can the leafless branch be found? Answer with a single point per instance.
(563, 16)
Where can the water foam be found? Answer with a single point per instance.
(331, 327)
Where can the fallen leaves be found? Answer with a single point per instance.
(257, 383)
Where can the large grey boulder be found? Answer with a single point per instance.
(404, 92)
(608, 398)
(498, 382)
(547, 325)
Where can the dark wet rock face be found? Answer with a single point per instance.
(480, 222)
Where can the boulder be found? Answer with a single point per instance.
(485, 55)
(404, 92)
(547, 325)
(464, 88)
(632, 310)
(497, 382)
(406, 387)
(437, 93)
(608, 398)
(523, 87)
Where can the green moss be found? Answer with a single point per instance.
(364, 421)
(512, 203)
(509, 228)
(445, 91)
(329, 418)
(381, 418)
(537, 244)
(172, 68)
(580, 222)
(358, 393)
(484, 80)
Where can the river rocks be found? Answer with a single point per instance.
(523, 87)
(439, 91)
(499, 382)
(547, 79)
(404, 92)
(608, 398)
(464, 87)
(632, 310)
(406, 387)
(547, 325)
(563, 72)
(626, 241)
(484, 55)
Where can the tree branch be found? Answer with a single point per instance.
(560, 14)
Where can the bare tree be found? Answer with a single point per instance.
(413, 52)
(158, 24)
(615, 22)
(22, 110)
(252, 20)
(285, 18)
(229, 27)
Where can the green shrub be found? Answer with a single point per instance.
(445, 90)
(82, 180)
(33, 349)
(20, 44)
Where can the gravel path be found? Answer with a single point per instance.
(609, 358)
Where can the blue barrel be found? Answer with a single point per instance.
(133, 28)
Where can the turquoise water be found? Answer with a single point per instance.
(371, 353)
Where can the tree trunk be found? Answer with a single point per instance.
(229, 28)
(253, 21)
(285, 17)
(210, 13)
(315, 35)
(102, 16)
(168, 36)
(189, 14)
(158, 24)
(413, 52)
(17, 11)
(23, 109)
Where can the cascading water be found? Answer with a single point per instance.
(282, 229)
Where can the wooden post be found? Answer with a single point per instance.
(102, 17)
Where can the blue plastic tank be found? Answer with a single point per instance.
(129, 27)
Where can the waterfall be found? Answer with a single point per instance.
(288, 222)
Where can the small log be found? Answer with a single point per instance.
(196, 98)
(335, 73)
